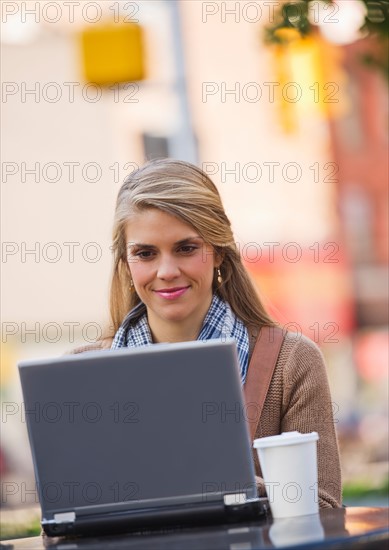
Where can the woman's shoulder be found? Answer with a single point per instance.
(298, 345)
(301, 361)
(99, 345)
(295, 346)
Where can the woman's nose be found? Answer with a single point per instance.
(168, 268)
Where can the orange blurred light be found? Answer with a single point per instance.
(371, 355)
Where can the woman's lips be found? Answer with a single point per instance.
(172, 293)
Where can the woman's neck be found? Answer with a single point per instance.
(174, 332)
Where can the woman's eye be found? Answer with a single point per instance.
(187, 249)
(144, 254)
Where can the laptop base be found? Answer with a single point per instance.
(172, 517)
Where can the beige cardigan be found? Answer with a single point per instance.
(298, 399)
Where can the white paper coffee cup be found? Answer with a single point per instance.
(289, 467)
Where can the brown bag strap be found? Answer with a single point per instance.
(260, 372)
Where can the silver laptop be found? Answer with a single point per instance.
(140, 438)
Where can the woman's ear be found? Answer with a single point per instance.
(219, 257)
(126, 267)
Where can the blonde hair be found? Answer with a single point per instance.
(182, 190)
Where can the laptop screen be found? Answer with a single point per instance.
(138, 424)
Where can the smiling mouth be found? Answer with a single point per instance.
(171, 293)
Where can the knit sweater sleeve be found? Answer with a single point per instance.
(105, 343)
(307, 407)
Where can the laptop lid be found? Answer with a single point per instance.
(138, 428)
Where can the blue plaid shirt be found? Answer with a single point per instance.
(220, 322)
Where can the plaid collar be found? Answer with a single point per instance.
(220, 322)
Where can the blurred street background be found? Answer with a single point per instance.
(284, 105)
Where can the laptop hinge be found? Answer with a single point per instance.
(65, 517)
(235, 498)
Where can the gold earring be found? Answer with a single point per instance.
(219, 276)
(132, 288)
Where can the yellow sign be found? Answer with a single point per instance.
(113, 52)
(310, 78)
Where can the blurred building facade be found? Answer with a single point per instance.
(305, 192)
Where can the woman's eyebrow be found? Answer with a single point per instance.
(188, 239)
(132, 244)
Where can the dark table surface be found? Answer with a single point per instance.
(349, 527)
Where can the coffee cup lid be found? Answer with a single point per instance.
(286, 438)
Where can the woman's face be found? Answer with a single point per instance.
(172, 268)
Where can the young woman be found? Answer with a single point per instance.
(178, 276)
